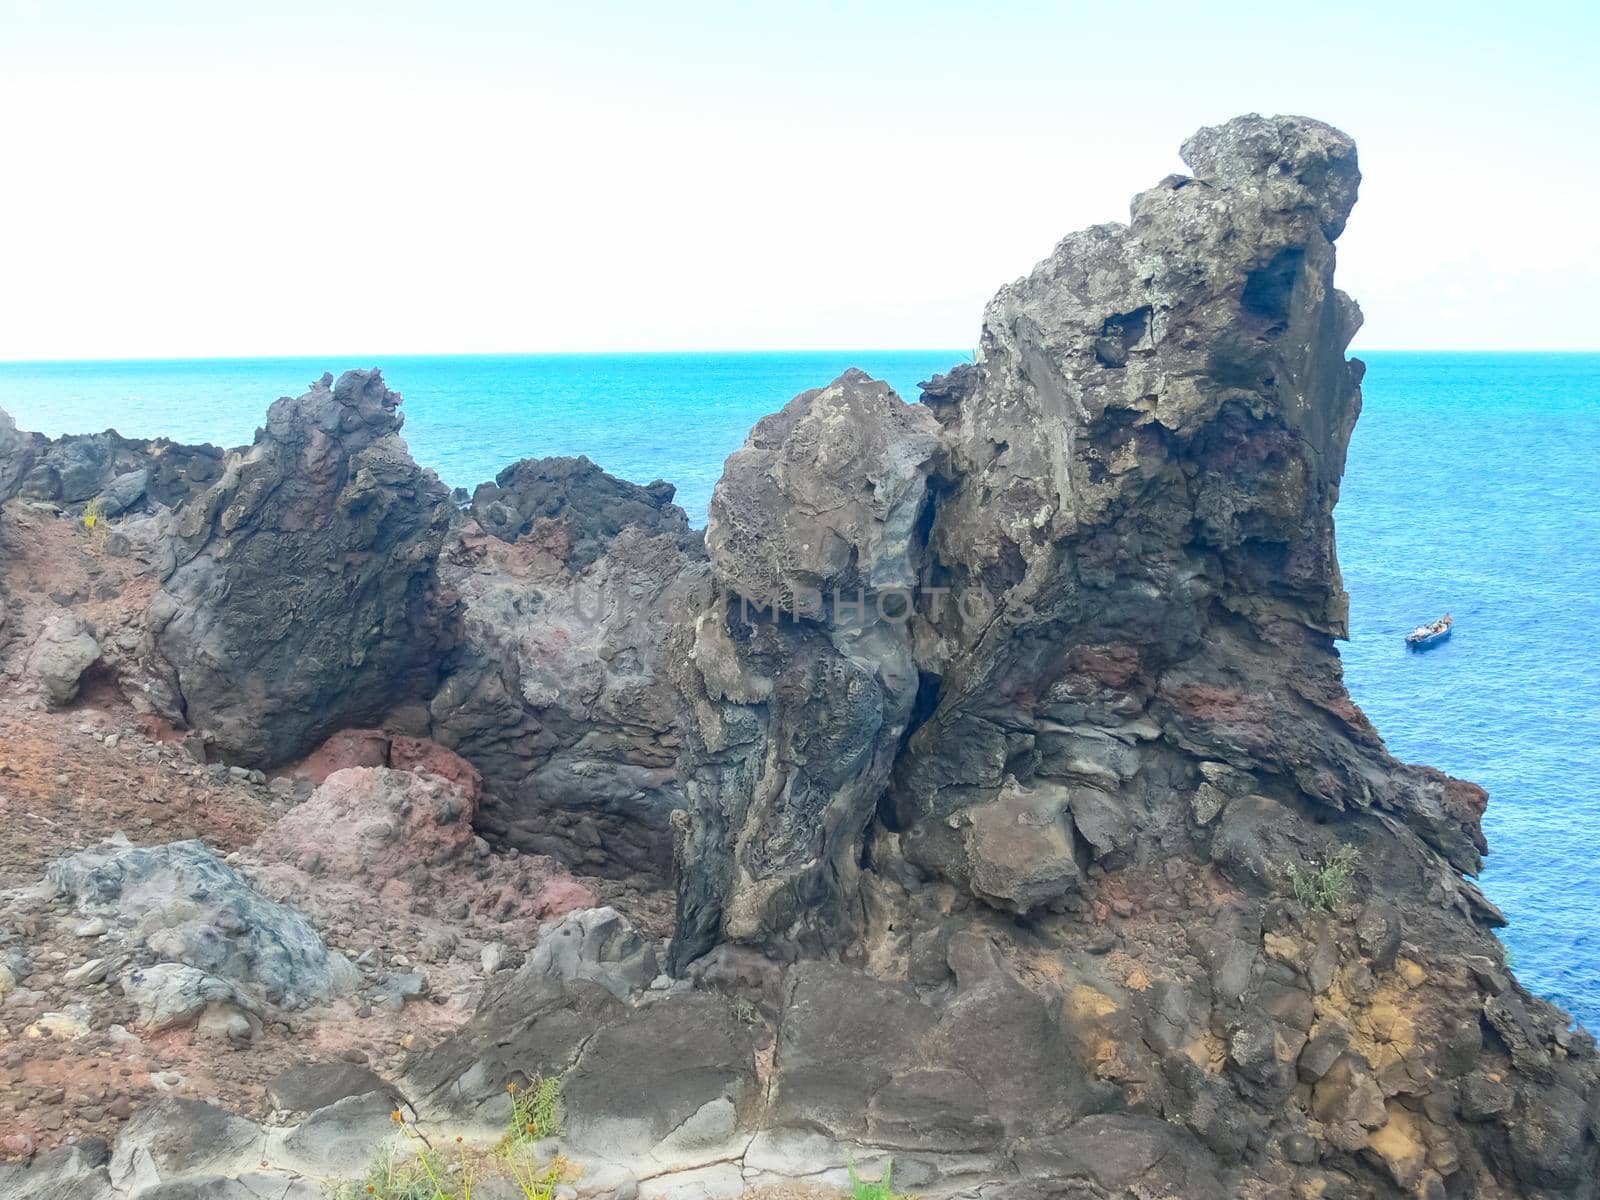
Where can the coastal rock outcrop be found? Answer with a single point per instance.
(555, 688)
(299, 599)
(1110, 741)
(1022, 827)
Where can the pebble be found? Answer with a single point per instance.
(113, 740)
(57, 1024)
(92, 928)
(92, 971)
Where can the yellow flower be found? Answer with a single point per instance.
(397, 1116)
(512, 1087)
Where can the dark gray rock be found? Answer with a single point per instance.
(1483, 1098)
(578, 503)
(76, 1172)
(1126, 1156)
(312, 1086)
(799, 674)
(646, 1074)
(123, 492)
(17, 453)
(300, 599)
(174, 1137)
(1115, 697)
(122, 473)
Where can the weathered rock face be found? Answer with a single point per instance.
(17, 452)
(801, 683)
(555, 688)
(300, 595)
(1112, 739)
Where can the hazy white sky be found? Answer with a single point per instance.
(189, 179)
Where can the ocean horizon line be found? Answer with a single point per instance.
(370, 358)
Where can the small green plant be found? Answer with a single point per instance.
(392, 1177)
(423, 1177)
(743, 1010)
(94, 514)
(535, 1111)
(537, 1182)
(1328, 886)
(881, 1189)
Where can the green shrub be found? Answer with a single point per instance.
(1328, 886)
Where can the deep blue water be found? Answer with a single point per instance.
(1473, 486)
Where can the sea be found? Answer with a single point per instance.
(1472, 487)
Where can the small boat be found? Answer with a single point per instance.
(1425, 636)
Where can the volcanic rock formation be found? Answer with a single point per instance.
(1110, 742)
(555, 688)
(299, 597)
(1022, 826)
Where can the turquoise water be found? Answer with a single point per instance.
(1473, 486)
(641, 416)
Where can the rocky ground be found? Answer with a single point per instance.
(75, 1061)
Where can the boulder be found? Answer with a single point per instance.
(173, 996)
(64, 650)
(72, 1172)
(387, 821)
(190, 907)
(306, 1088)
